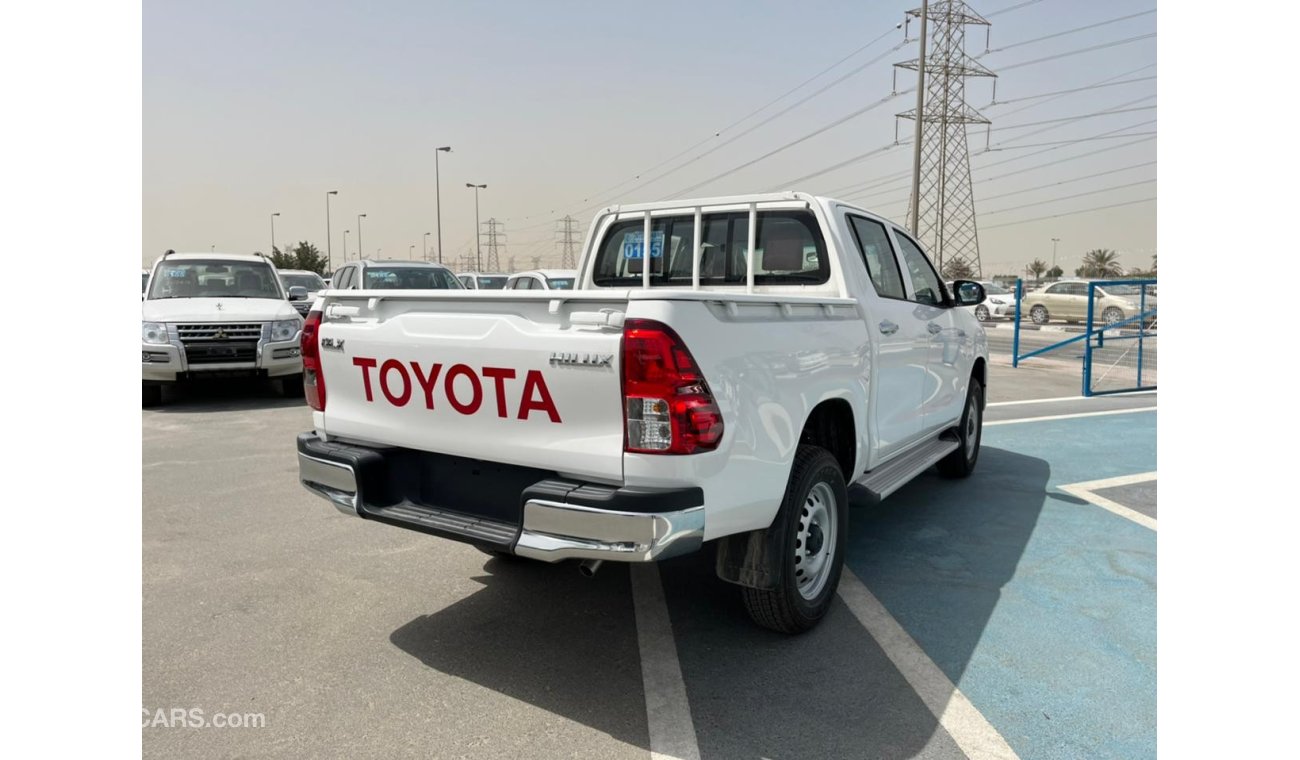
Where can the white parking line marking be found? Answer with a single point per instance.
(964, 723)
(668, 715)
(1086, 489)
(1069, 416)
(1063, 398)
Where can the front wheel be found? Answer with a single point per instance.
(812, 526)
(982, 313)
(961, 462)
(1039, 314)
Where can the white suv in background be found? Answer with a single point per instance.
(483, 280)
(310, 282)
(543, 279)
(217, 315)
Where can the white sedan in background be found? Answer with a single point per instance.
(998, 303)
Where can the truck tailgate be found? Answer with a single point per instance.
(494, 376)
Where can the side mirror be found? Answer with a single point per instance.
(297, 293)
(968, 293)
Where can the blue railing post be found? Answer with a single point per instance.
(1015, 335)
(1087, 343)
(1142, 329)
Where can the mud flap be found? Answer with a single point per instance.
(750, 559)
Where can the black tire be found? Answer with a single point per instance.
(151, 396)
(815, 476)
(1039, 314)
(970, 431)
(982, 313)
(289, 386)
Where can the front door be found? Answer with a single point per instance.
(899, 341)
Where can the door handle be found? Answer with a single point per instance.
(933, 328)
(888, 328)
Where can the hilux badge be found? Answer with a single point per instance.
(581, 360)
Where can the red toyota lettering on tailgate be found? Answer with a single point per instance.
(395, 383)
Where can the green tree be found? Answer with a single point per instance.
(304, 255)
(1037, 267)
(1055, 273)
(1100, 262)
(956, 269)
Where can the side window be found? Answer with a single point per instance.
(1057, 290)
(873, 244)
(925, 280)
(341, 278)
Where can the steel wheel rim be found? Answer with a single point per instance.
(815, 542)
(972, 426)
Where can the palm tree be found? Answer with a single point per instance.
(1101, 262)
(1038, 266)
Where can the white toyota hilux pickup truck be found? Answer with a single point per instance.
(775, 348)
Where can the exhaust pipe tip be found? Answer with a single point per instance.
(588, 567)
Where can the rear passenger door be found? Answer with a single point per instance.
(898, 338)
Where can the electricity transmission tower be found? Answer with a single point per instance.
(942, 211)
(567, 239)
(495, 243)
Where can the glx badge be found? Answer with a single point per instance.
(331, 344)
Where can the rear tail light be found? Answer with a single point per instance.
(667, 406)
(313, 382)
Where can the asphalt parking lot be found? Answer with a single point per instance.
(1011, 614)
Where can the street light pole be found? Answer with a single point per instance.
(426, 246)
(478, 253)
(273, 216)
(1054, 242)
(410, 253)
(345, 245)
(359, 218)
(329, 253)
(437, 185)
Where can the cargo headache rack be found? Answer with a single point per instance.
(787, 200)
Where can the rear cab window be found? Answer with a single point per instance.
(789, 250)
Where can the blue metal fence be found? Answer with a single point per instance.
(1111, 364)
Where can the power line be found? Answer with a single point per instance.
(1060, 160)
(1098, 86)
(1069, 197)
(1070, 142)
(1081, 51)
(1067, 31)
(767, 120)
(1107, 80)
(755, 112)
(1067, 213)
(1015, 7)
(1103, 135)
(858, 158)
(1078, 117)
(1067, 181)
(792, 143)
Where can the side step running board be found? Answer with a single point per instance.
(894, 474)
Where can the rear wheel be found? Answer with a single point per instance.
(812, 526)
(1039, 314)
(961, 462)
(1112, 315)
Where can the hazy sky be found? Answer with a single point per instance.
(252, 108)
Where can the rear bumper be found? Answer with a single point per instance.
(531, 513)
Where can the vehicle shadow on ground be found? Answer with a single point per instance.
(936, 554)
(223, 395)
(545, 635)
